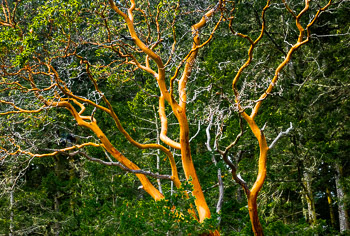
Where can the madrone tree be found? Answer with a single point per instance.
(73, 55)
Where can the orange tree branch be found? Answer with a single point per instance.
(289, 9)
(112, 113)
(92, 125)
(164, 126)
(191, 56)
(4, 23)
(9, 17)
(5, 9)
(157, 24)
(112, 163)
(260, 179)
(180, 113)
(16, 85)
(148, 186)
(289, 54)
(62, 86)
(160, 76)
(250, 51)
(263, 153)
(314, 20)
(18, 109)
(258, 133)
(78, 146)
(174, 34)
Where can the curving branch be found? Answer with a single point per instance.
(290, 52)
(258, 133)
(280, 135)
(112, 163)
(250, 53)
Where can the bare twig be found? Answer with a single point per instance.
(112, 163)
(280, 135)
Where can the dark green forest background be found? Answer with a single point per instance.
(308, 171)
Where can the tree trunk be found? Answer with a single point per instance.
(59, 169)
(309, 198)
(330, 205)
(190, 172)
(11, 213)
(158, 151)
(253, 214)
(304, 209)
(57, 209)
(343, 215)
(253, 193)
(239, 192)
(11, 188)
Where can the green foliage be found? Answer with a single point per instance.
(71, 196)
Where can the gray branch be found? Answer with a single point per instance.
(282, 133)
(112, 163)
(199, 128)
(220, 182)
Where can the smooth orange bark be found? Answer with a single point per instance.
(253, 192)
(179, 109)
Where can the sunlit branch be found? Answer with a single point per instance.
(112, 113)
(9, 14)
(250, 52)
(148, 186)
(164, 126)
(112, 163)
(130, 24)
(67, 91)
(55, 152)
(191, 56)
(101, 136)
(289, 54)
(19, 110)
(174, 34)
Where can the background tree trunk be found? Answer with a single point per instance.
(303, 203)
(343, 214)
(11, 213)
(309, 198)
(330, 204)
